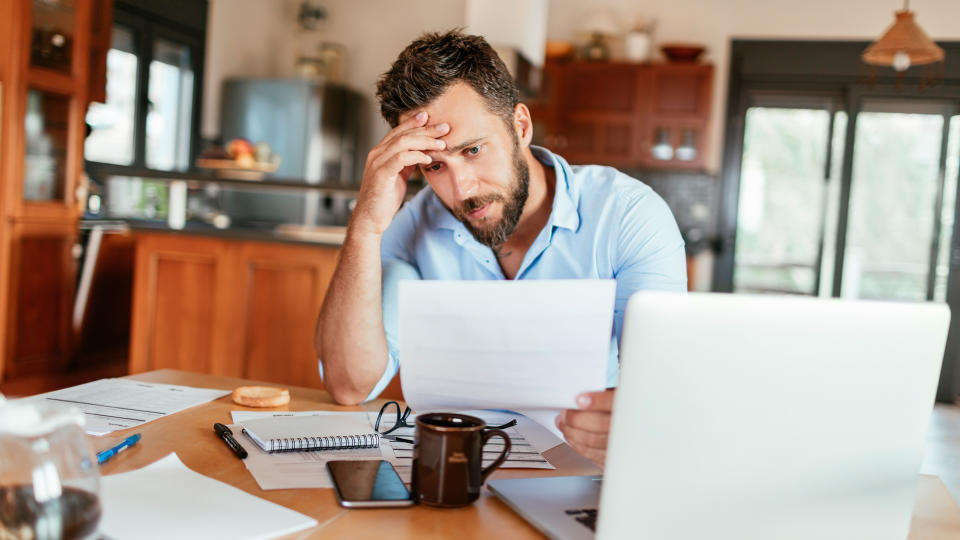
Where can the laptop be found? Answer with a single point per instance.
(756, 417)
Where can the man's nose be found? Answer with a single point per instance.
(465, 184)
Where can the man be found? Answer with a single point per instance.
(496, 208)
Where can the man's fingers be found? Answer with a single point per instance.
(415, 121)
(419, 128)
(598, 422)
(396, 164)
(418, 119)
(595, 455)
(410, 141)
(596, 401)
(424, 139)
(582, 437)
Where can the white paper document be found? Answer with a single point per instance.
(517, 345)
(167, 500)
(112, 404)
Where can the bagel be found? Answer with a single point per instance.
(261, 396)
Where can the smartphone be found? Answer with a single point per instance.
(368, 484)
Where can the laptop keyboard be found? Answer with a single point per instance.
(586, 516)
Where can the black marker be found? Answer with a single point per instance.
(227, 436)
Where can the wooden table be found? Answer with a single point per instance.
(190, 434)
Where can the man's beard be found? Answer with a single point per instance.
(497, 233)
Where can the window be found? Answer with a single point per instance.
(168, 118)
(112, 123)
(151, 115)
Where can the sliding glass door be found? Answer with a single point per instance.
(787, 181)
(901, 201)
(858, 211)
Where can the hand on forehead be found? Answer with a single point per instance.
(461, 107)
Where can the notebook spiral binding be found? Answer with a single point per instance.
(333, 442)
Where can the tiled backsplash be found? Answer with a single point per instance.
(694, 199)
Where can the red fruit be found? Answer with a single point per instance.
(239, 147)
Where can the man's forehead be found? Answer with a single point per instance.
(458, 103)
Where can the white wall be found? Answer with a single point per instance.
(372, 31)
(261, 37)
(242, 39)
(525, 30)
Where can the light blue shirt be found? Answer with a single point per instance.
(604, 224)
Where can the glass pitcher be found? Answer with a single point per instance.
(49, 477)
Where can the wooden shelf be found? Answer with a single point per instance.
(51, 81)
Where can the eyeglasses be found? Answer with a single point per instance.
(401, 419)
(400, 422)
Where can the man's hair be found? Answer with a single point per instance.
(435, 61)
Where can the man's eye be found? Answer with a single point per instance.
(473, 150)
(433, 167)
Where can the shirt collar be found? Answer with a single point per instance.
(564, 213)
(565, 199)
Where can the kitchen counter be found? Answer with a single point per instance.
(297, 234)
(230, 301)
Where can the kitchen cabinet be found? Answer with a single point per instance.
(41, 264)
(677, 116)
(625, 114)
(228, 306)
(44, 73)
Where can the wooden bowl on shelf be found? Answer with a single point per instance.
(559, 50)
(682, 52)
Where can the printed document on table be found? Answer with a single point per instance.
(308, 469)
(517, 345)
(304, 469)
(167, 500)
(112, 404)
(528, 441)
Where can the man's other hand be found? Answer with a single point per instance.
(588, 427)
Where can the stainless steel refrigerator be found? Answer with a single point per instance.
(312, 126)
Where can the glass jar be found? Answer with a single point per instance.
(49, 477)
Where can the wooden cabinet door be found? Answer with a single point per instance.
(181, 304)
(680, 91)
(678, 112)
(228, 307)
(41, 283)
(599, 139)
(280, 290)
(592, 111)
(597, 118)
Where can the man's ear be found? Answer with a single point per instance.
(523, 124)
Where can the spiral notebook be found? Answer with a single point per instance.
(320, 432)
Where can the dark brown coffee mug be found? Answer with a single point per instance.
(448, 458)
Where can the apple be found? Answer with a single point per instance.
(240, 149)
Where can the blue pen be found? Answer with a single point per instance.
(102, 457)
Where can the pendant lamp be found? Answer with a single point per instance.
(903, 45)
